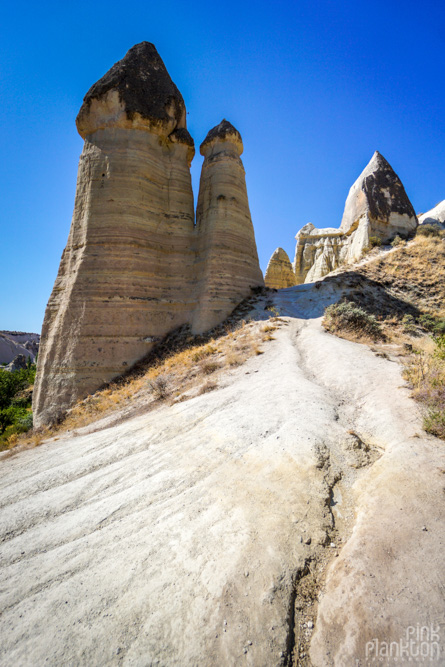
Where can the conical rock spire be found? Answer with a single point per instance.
(136, 92)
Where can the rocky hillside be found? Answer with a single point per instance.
(268, 497)
(408, 279)
(13, 343)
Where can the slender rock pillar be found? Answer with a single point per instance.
(227, 265)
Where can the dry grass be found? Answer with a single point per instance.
(176, 375)
(160, 386)
(414, 272)
(234, 359)
(210, 385)
(404, 289)
(426, 374)
(208, 367)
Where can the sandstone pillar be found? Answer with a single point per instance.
(124, 275)
(227, 263)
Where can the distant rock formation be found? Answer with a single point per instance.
(436, 216)
(227, 259)
(13, 343)
(377, 205)
(20, 361)
(131, 271)
(279, 273)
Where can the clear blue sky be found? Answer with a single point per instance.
(313, 87)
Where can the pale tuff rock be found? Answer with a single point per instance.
(377, 205)
(14, 343)
(436, 216)
(227, 265)
(20, 361)
(201, 533)
(279, 272)
(320, 251)
(128, 273)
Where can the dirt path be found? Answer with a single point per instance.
(202, 533)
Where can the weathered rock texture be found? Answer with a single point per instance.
(227, 261)
(128, 274)
(233, 528)
(436, 216)
(279, 273)
(377, 205)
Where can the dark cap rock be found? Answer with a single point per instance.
(382, 178)
(183, 136)
(136, 92)
(222, 132)
(379, 193)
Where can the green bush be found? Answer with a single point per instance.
(439, 327)
(428, 230)
(409, 324)
(430, 323)
(397, 240)
(347, 316)
(440, 347)
(434, 423)
(15, 408)
(375, 242)
(427, 322)
(25, 423)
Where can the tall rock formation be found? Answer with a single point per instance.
(227, 265)
(279, 272)
(377, 205)
(378, 199)
(130, 270)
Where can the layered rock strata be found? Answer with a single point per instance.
(377, 205)
(227, 260)
(436, 216)
(128, 274)
(279, 273)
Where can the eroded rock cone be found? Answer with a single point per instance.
(227, 265)
(279, 272)
(379, 198)
(126, 272)
(377, 205)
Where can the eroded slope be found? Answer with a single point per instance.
(186, 535)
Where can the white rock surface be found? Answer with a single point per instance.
(435, 216)
(178, 537)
